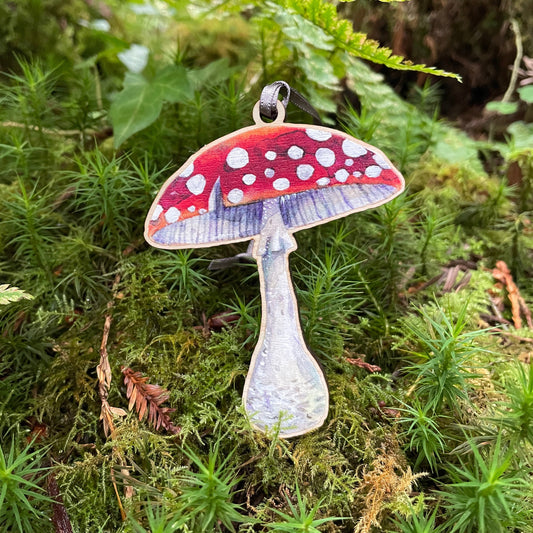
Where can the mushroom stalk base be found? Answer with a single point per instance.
(285, 389)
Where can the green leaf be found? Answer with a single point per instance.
(137, 106)
(133, 79)
(522, 135)
(140, 102)
(504, 108)
(324, 15)
(215, 72)
(319, 70)
(526, 94)
(173, 84)
(12, 294)
(298, 29)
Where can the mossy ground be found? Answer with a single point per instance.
(395, 441)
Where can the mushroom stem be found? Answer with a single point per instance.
(285, 386)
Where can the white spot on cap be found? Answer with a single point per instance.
(157, 211)
(342, 175)
(196, 184)
(349, 162)
(318, 135)
(202, 211)
(235, 196)
(357, 174)
(237, 158)
(172, 214)
(352, 149)
(322, 182)
(248, 179)
(295, 152)
(381, 161)
(191, 209)
(270, 155)
(304, 172)
(281, 184)
(269, 172)
(187, 172)
(325, 157)
(373, 171)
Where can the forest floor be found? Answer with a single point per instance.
(123, 366)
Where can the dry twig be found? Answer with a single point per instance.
(60, 519)
(361, 364)
(107, 412)
(518, 305)
(103, 371)
(449, 277)
(509, 334)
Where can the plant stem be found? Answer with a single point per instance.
(517, 60)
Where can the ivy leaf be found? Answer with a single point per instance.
(137, 106)
(526, 94)
(504, 108)
(134, 79)
(212, 74)
(522, 135)
(173, 84)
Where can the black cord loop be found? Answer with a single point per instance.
(270, 95)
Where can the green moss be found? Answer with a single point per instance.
(71, 235)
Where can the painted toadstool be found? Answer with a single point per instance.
(264, 183)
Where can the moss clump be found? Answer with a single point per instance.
(406, 287)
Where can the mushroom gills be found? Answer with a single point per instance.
(318, 205)
(285, 389)
(223, 224)
(219, 224)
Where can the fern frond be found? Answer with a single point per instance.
(384, 1)
(324, 15)
(12, 294)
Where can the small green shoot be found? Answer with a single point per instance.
(21, 496)
(517, 411)
(206, 495)
(300, 518)
(419, 522)
(158, 521)
(423, 434)
(484, 496)
(446, 350)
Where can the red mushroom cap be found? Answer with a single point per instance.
(337, 173)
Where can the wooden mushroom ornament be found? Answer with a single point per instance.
(265, 182)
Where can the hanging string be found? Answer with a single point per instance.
(270, 96)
